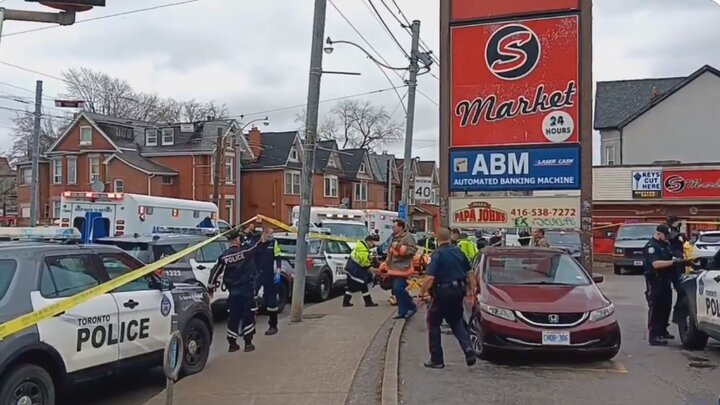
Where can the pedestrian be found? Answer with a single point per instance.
(448, 280)
(360, 272)
(400, 266)
(524, 238)
(268, 263)
(430, 242)
(539, 238)
(660, 266)
(236, 266)
(465, 245)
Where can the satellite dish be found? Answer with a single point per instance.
(98, 186)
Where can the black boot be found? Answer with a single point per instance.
(249, 346)
(233, 346)
(470, 357)
(346, 300)
(272, 324)
(657, 341)
(667, 335)
(368, 301)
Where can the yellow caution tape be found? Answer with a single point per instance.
(315, 235)
(25, 321)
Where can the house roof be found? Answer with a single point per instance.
(134, 159)
(618, 103)
(380, 165)
(275, 150)
(351, 160)
(323, 153)
(426, 168)
(91, 118)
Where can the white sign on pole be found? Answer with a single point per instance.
(423, 189)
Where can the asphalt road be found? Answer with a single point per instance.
(638, 374)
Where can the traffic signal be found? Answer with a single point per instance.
(71, 5)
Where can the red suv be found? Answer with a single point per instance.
(538, 299)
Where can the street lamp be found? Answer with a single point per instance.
(329, 49)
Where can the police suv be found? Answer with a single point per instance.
(192, 269)
(698, 310)
(126, 328)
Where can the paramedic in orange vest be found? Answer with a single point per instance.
(400, 256)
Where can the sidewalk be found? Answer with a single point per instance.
(312, 362)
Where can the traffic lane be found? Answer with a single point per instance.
(139, 387)
(639, 374)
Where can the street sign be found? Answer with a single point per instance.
(423, 189)
(70, 103)
(402, 212)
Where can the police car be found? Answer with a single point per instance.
(127, 328)
(325, 263)
(698, 309)
(193, 268)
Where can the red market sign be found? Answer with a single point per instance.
(515, 83)
(465, 10)
(691, 184)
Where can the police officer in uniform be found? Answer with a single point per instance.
(660, 267)
(359, 272)
(237, 266)
(268, 263)
(448, 280)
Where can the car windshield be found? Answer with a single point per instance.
(636, 232)
(533, 268)
(352, 231)
(289, 246)
(134, 249)
(563, 238)
(709, 238)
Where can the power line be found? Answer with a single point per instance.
(139, 10)
(389, 31)
(405, 23)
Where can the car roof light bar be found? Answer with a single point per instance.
(39, 233)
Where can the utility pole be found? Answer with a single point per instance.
(311, 123)
(218, 164)
(36, 155)
(412, 86)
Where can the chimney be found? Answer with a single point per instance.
(254, 141)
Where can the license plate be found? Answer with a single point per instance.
(637, 263)
(555, 338)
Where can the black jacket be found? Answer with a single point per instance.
(237, 266)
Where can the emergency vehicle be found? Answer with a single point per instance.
(347, 223)
(697, 313)
(127, 328)
(381, 221)
(98, 215)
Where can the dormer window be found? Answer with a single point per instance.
(362, 168)
(151, 137)
(294, 154)
(333, 161)
(85, 136)
(168, 136)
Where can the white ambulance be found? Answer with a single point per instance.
(381, 221)
(347, 223)
(98, 215)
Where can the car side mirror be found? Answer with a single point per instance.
(598, 278)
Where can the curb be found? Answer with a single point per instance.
(390, 387)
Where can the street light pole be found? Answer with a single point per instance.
(311, 123)
(36, 155)
(412, 86)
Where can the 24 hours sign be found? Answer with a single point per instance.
(535, 212)
(515, 82)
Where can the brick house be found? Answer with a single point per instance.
(385, 167)
(423, 217)
(8, 190)
(172, 160)
(360, 184)
(271, 181)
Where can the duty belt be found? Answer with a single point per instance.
(454, 283)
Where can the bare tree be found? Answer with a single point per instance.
(327, 128)
(50, 129)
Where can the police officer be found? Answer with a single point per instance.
(268, 263)
(239, 277)
(660, 266)
(449, 280)
(465, 245)
(359, 272)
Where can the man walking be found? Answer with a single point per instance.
(399, 264)
(268, 262)
(449, 280)
(359, 272)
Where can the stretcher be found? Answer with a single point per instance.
(415, 275)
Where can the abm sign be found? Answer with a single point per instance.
(517, 169)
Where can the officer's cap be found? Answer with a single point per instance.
(663, 229)
(233, 234)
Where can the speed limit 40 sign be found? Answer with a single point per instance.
(423, 189)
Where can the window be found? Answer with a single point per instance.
(72, 171)
(294, 154)
(26, 175)
(331, 186)
(57, 171)
(65, 276)
(94, 169)
(229, 210)
(338, 247)
(362, 168)
(168, 180)
(288, 247)
(119, 186)
(168, 136)
(210, 253)
(361, 191)
(7, 273)
(160, 251)
(118, 264)
(85, 135)
(610, 155)
(151, 137)
(56, 209)
(333, 161)
(292, 183)
(229, 169)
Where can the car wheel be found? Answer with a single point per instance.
(282, 295)
(476, 338)
(617, 270)
(28, 384)
(324, 287)
(692, 338)
(196, 339)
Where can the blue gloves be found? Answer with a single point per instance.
(277, 278)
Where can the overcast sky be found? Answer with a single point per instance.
(254, 55)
